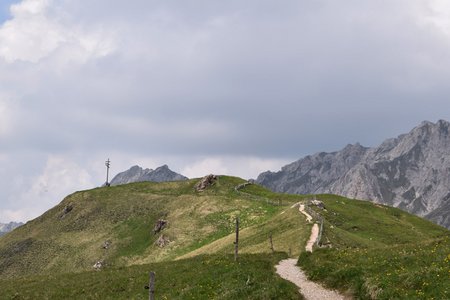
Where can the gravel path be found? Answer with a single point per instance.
(314, 230)
(301, 208)
(312, 238)
(288, 270)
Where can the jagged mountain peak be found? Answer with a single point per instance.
(138, 174)
(411, 171)
(137, 168)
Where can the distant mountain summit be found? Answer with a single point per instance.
(411, 172)
(5, 228)
(137, 174)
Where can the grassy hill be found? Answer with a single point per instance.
(380, 252)
(60, 247)
(125, 215)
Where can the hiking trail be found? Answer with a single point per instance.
(288, 270)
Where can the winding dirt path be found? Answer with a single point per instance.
(288, 270)
(301, 208)
(312, 238)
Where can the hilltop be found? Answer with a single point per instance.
(410, 172)
(113, 229)
(124, 217)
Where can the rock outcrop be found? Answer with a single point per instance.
(205, 182)
(137, 174)
(411, 172)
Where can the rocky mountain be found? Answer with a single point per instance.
(5, 228)
(411, 172)
(137, 174)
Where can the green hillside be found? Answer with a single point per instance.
(202, 277)
(115, 226)
(125, 216)
(379, 252)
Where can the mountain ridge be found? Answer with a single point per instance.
(138, 174)
(8, 227)
(411, 171)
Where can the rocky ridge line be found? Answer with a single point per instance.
(411, 172)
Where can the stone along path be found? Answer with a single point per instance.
(288, 270)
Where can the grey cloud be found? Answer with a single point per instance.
(262, 78)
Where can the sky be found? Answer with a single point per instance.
(226, 87)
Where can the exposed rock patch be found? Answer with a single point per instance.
(162, 241)
(160, 225)
(318, 203)
(106, 245)
(99, 265)
(67, 209)
(243, 185)
(206, 182)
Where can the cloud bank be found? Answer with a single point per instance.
(206, 86)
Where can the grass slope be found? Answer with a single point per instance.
(59, 252)
(380, 252)
(201, 277)
(125, 216)
(377, 252)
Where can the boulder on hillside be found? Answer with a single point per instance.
(162, 241)
(206, 182)
(318, 203)
(67, 209)
(98, 265)
(160, 225)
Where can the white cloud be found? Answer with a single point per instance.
(6, 116)
(59, 178)
(439, 15)
(29, 8)
(36, 32)
(242, 166)
(206, 88)
(20, 215)
(204, 167)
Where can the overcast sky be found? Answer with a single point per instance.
(224, 87)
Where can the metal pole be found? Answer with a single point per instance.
(107, 164)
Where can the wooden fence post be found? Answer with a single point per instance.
(151, 286)
(236, 242)
(271, 244)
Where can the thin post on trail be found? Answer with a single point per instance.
(271, 244)
(236, 242)
(151, 286)
(107, 164)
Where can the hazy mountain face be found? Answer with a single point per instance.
(411, 172)
(137, 174)
(5, 228)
